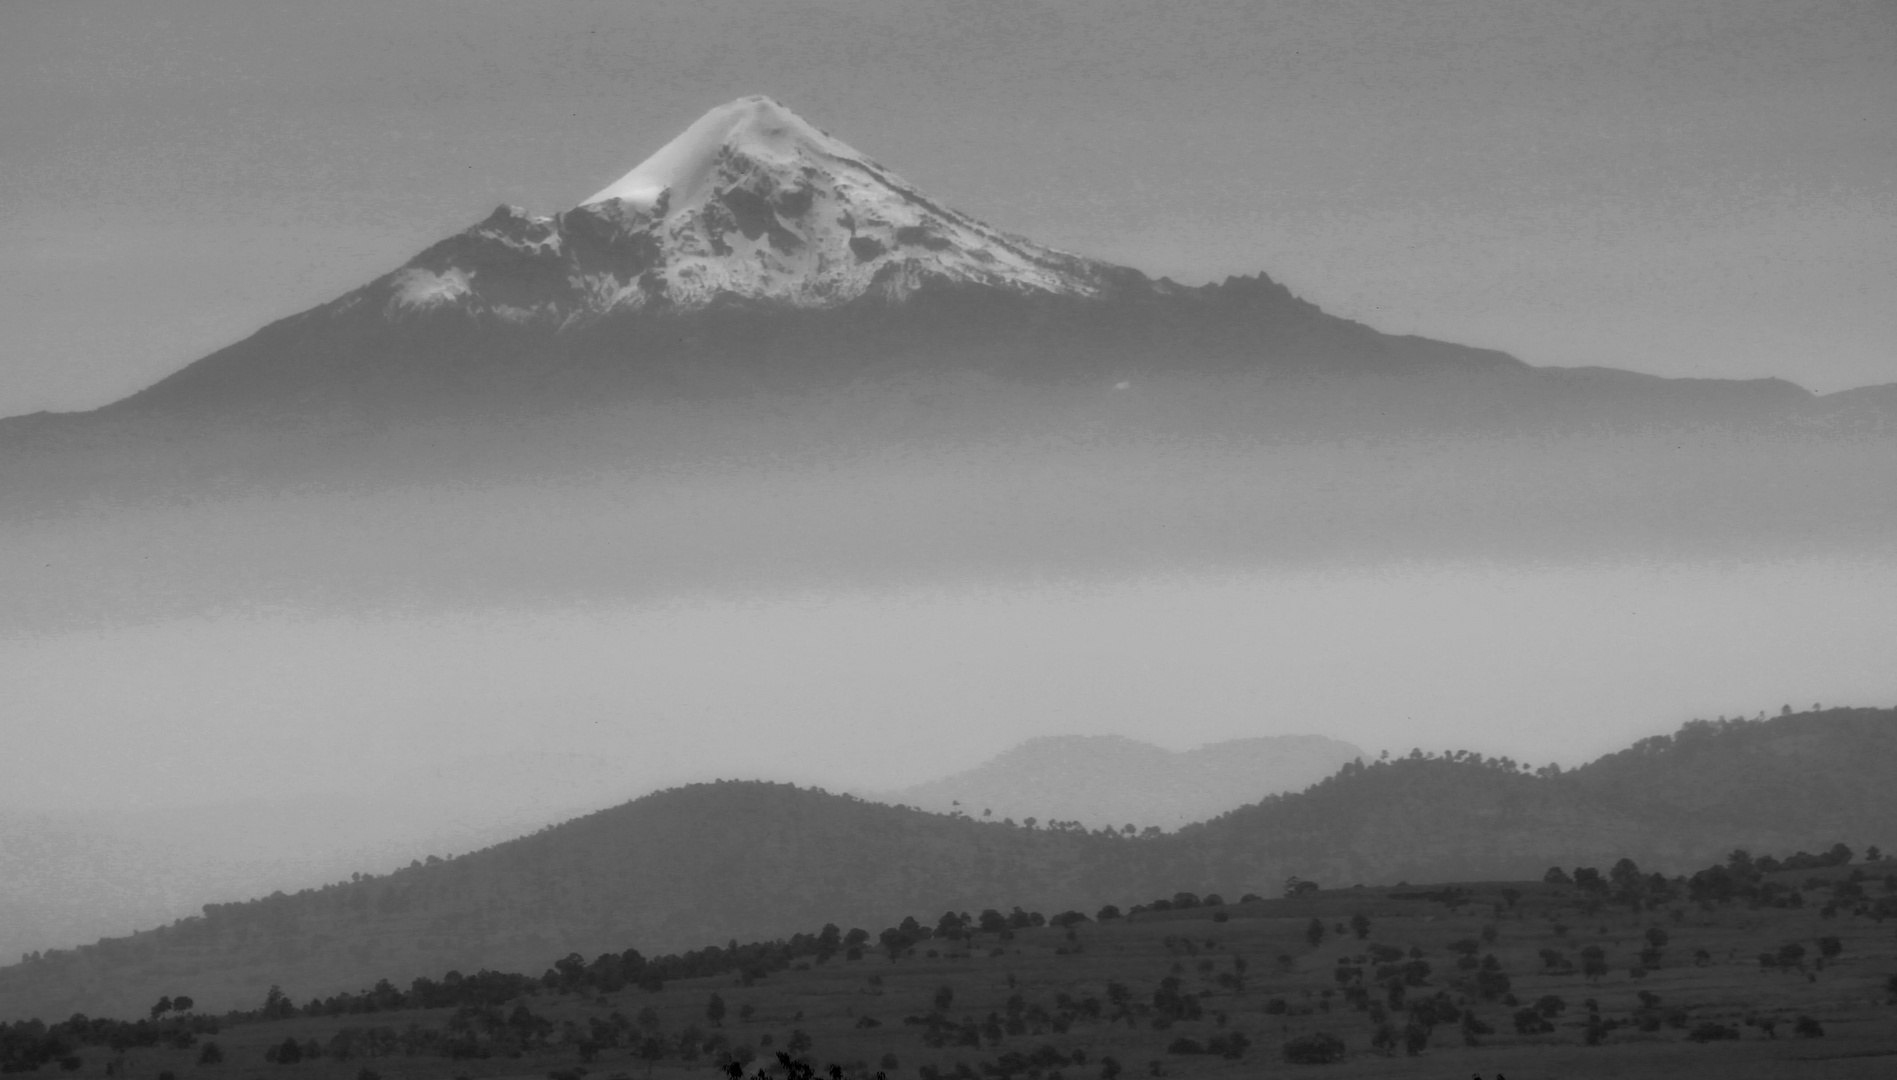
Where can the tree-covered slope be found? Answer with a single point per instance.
(1669, 801)
(711, 862)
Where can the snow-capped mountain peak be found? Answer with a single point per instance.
(753, 127)
(750, 202)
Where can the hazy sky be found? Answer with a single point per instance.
(1679, 186)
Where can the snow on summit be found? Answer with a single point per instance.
(757, 128)
(750, 202)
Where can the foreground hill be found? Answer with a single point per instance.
(711, 862)
(1746, 969)
(1112, 780)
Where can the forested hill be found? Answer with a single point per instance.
(1671, 801)
(740, 860)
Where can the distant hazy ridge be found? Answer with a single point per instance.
(711, 862)
(1110, 780)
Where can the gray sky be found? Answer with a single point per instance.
(1703, 188)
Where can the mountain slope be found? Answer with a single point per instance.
(1114, 781)
(757, 252)
(706, 863)
(758, 271)
(750, 217)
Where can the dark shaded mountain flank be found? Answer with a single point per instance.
(351, 356)
(710, 862)
(350, 361)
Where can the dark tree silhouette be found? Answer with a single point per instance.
(1317, 1048)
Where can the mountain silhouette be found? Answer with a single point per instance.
(756, 253)
(1111, 780)
(762, 357)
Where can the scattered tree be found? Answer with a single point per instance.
(1317, 1048)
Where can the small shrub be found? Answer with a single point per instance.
(1707, 1031)
(1184, 1045)
(287, 1052)
(1230, 1045)
(1808, 1027)
(1317, 1048)
(1530, 1022)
